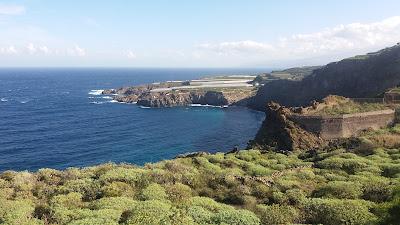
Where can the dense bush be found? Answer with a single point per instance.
(335, 211)
(339, 186)
(340, 189)
(277, 214)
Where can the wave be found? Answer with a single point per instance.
(107, 97)
(95, 92)
(4, 100)
(97, 103)
(24, 100)
(144, 107)
(212, 106)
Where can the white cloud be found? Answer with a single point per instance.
(45, 50)
(238, 46)
(11, 9)
(9, 50)
(31, 48)
(76, 51)
(353, 38)
(345, 37)
(35, 49)
(131, 55)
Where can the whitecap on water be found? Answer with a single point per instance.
(212, 106)
(97, 103)
(23, 100)
(95, 92)
(107, 97)
(3, 99)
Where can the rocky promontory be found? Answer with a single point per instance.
(280, 133)
(215, 92)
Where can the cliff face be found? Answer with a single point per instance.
(358, 77)
(184, 98)
(279, 133)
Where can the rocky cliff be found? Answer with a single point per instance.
(357, 77)
(279, 133)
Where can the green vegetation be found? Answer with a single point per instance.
(355, 186)
(395, 90)
(350, 107)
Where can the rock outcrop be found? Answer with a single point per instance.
(185, 98)
(279, 133)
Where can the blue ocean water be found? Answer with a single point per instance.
(51, 118)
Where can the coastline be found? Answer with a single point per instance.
(209, 92)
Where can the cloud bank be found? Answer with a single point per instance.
(341, 39)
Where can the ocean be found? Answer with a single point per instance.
(54, 118)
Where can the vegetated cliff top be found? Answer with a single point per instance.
(295, 73)
(395, 90)
(356, 184)
(358, 77)
(333, 105)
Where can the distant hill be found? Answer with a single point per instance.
(360, 76)
(295, 73)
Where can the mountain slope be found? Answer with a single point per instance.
(359, 77)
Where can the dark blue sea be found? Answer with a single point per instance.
(53, 118)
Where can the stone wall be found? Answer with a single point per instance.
(397, 115)
(331, 127)
(392, 97)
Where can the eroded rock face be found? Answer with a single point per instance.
(182, 98)
(164, 99)
(279, 133)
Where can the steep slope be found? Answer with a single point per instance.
(278, 132)
(360, 76)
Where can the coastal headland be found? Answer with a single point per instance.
(215, 91)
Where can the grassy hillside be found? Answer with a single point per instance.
(357, 185)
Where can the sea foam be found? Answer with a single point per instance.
(95, 92)
(97, 103)
(212, 106)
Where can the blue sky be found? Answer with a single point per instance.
(203, 33)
